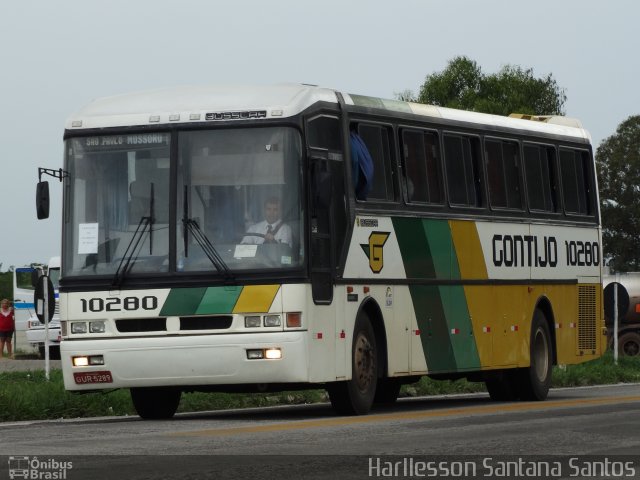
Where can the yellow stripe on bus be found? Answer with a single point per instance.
(256, 298)
(468, 250)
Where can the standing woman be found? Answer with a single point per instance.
(7, 327)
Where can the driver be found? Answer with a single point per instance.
(272, 229)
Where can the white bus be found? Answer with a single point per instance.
(407, 240)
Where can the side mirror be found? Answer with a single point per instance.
(42, 200)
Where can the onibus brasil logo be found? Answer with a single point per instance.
(37, 469)
(374, 251)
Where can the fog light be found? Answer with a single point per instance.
(80, 361)
(252, 322)
(255, 354)
(272, 321)
(96, 327)
(96, 360)
(79, 327)
(273, 353)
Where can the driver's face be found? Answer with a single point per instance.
(272, 212)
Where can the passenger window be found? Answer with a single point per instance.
(422, 167)
(377, 140)
(503, 172)
(541, 177)
(575, 172)
(464, 171)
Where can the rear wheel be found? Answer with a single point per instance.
(355, 396)
(629, 344)
(155, 403)
(534, 381)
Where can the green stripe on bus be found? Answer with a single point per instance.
(460, 332)
(441, 248)
(414, 248)
(434, 331)
(219, 300)
(182, 301)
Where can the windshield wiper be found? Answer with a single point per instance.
(135, 243)
(190, 225)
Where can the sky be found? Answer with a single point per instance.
(58, 56)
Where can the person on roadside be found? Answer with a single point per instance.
(7, 327)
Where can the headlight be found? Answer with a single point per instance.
(96, 327)
(78, 327)
(272, 321)
(252, 321)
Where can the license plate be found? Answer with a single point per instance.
(86, 378)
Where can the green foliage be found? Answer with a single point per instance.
(28, 396)
(618, 162)
(463, 85)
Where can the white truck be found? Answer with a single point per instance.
(36, 330)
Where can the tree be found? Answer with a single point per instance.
(463, 85)
(618, 162)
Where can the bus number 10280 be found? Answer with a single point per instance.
(113, 304)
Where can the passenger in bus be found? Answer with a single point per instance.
(7, 327)
(272, 229)
(362, 165)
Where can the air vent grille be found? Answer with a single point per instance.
(586, 318)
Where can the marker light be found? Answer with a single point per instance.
(79, 327)
(252, 321)
(294, 320)
(272, 321)
(273, 353)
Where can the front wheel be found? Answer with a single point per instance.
(155, 403)
(535, 381)
(355, 396)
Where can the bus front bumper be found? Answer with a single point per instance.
(177, 361)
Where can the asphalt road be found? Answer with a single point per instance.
(309, 441)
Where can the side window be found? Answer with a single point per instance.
(422, 167)
(503, 174)
(576, 184)
(377, 139)
(324, 132)
(541, 176)
(464, 170)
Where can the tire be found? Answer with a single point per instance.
(534, 381)
(355, 396)
(629, 344)
(503, 388)
(387, 391)
(155, 403)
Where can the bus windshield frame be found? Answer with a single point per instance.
(193, 202)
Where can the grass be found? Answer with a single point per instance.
(28, 396)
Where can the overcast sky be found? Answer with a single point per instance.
(58, 56)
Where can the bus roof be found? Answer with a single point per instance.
(192, 104)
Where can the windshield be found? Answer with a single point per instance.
(237, 203)
(118, 198)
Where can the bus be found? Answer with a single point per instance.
(413, 241)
